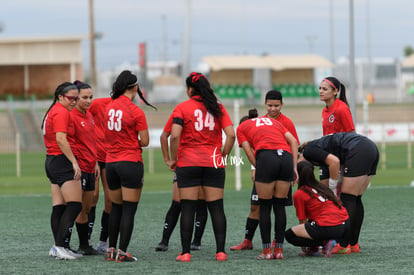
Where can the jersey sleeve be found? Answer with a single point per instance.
(168, 125)
(61, 122)
(141, 120)
(291, 128)
(240, 134)
(315, 154)
(225, 118)
(299, 198)
(346, 119)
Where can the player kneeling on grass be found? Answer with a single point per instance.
(321, 216)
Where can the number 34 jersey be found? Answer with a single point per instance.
(124, 120)
(201, 136)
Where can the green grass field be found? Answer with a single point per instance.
(386, 239)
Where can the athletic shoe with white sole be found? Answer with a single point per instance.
(122, 256)
(102, 247)
(110, 254)
(63, 253)
(52, 251)
(72, 252)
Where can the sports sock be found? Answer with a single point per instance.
(66, 223)
(359, 218)
(113, 223)
(300, 241)
(82, 229)
(251, 226)
(280, 220)
(350, 203)
(200, 221)
(265, 221)
(218, 219)
(170, 222)
(187, 223)
(91, 221)
(103, 237)
(127, 223)
(57, 212)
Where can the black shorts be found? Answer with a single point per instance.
(273, 165)
(124, 173)
(59, 169)
(321, 233)
(101, 164)
(88, 181)
(200, 176)
(362, 160)
(323, 172)
(174, 178)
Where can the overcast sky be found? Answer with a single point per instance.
(219, 27)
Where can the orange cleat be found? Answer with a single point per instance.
(278, 253)
(355, 248)
(338, 249)
(245, 245)
(183, 257)
(266, 255)
(221, 257)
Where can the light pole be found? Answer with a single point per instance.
(92, 45)
(352, 100)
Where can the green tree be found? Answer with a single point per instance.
(408, 50)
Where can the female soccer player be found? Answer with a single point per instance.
(336, 116)
(62, 169)
(272, 149)
(98, 110)
(321, 216)
(197, 130)
(273, 104)
(125, 135)
(83, 142)
(174, 211)
(359, 157)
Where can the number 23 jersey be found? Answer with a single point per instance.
(201, 136)
(124, 121)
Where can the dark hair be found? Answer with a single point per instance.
(339, 87)
(62, 89)
(275, 95)
(126, 80)
(81, 85)
(307, 178)
(202, 88)
(252, 114)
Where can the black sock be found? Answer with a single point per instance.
(113, 223)
(187, 223)
(280, 220)
(251, 226)
(300, 241)
(200, 222)
(127, 223)
(350, 203)
(170, 222)
(218, 219)
(66, 223)
(359, 218)
(57, 212)
(265, 221)
(91, 221)
(82, 229)
(103, 237)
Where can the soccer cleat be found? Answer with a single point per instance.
(221, 257)
(310, 251)
(273, 244)
(266, 255)
(161, 247)
(328, 247)
(338, 249)
(355, 248)
(102, 247)
(278, 253)
(245, 245)
(52, 251)
(72, 252)
(186, 257)
(110, 254)
(195, 246)
(63, 253)
(88, 250)
(122, 256)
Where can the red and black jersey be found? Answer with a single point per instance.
(97, 109)
(201, 136)
(83, 140)
(57, 120)
(263, 133)
(337, 118)
(285, 121)
(317, 208)
(124, 120)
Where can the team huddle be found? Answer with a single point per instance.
(102, 139)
